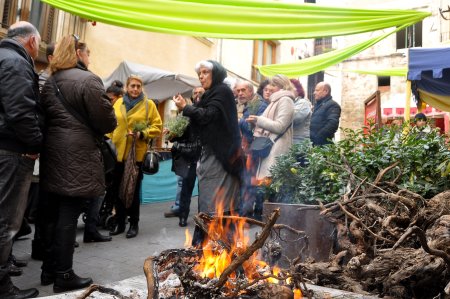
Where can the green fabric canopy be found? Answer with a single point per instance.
(395, 71)
(240, 19)
(317, 63)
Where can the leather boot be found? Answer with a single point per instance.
(133, 231)
(95, 237)
(47, 278)
(16, 293)
(67, 281)
(183, 221)
(120, 228)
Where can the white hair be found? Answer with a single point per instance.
(205, 64)
(231, 82)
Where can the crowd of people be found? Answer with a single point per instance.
(59, 117)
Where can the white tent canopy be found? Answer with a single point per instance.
(158, 84)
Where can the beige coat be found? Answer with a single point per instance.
(274, 121)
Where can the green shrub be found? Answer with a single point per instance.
(307, 174)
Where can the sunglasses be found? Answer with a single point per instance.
(77, 39)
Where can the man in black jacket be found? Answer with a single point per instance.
(20, 139)
(325, 117)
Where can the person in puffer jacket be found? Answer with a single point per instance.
(325, 117)
(71, 162)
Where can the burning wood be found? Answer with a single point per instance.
(225, 266)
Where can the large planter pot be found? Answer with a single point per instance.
(320, 233)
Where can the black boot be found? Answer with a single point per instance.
(15, 293)
(67, 281)
(95, 237)
(120, 228)
(133, 231)
(47, 278)
(183, 222)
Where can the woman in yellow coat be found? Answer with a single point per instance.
(137, 116)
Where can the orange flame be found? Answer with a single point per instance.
(297, 294)
(216, 258)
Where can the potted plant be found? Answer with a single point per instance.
(307, 178)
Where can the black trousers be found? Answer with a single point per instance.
(134, 210)
(187, 187)
(59, 231)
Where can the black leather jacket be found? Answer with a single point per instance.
(20, 117)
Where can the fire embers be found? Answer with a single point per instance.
(227, 265)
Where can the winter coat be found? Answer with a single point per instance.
(71, 162)
(274, 121)
(324, 121)
(19, 100)
(302, 119)
(246, 128)
(144, 112)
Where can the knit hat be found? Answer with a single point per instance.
(420, 116)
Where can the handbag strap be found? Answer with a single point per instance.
(71, 110)
(279, 136)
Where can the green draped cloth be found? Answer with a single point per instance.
(241, 19)
(248, 19)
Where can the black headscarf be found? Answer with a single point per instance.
(222, 135)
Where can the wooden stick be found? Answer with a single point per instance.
(257, 244)
(149, 274)
(102, 289)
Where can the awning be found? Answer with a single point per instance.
(429, 72)
(158, 84)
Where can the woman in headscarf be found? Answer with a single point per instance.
(137, 117)
(220, 164)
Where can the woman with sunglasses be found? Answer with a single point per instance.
(137, 118)
(77, 113)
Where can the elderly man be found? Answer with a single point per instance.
(254, 105)
(325, 117)
(245, 93)
(20, 139)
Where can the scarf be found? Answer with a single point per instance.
(130, 103)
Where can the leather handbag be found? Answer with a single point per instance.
(109, 153)
(261, 146)
(150, 164)
(130, 177)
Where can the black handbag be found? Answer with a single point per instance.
(150, 164)
(107, 148)
(261, 146)
(109, 153)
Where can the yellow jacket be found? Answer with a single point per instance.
(125, 122)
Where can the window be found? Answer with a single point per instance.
(384, 83)
(264, 52)
(312, 82)
(322, 45)
(410, 36)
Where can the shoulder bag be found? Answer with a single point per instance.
(261, 146)
(129, 177)
(107, 148)
(150, 164)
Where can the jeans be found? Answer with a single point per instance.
(187, 186)
(15, 179)
(59, 232)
